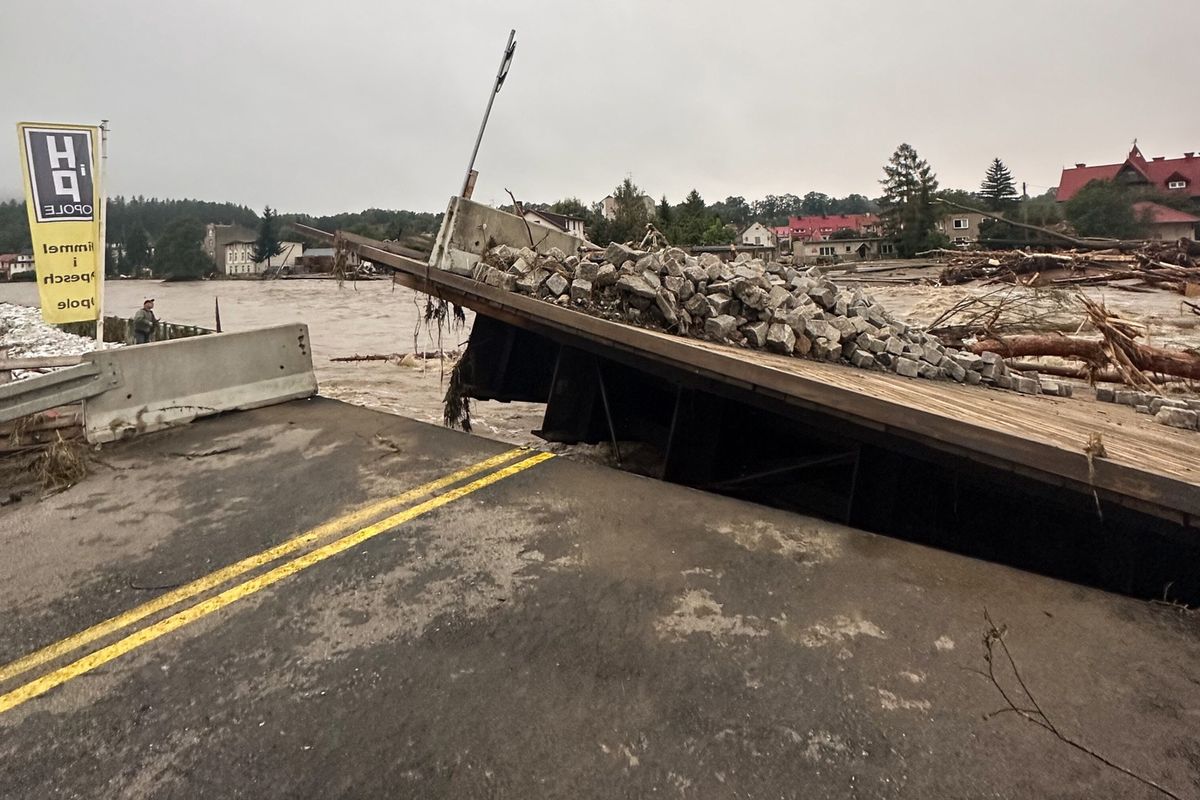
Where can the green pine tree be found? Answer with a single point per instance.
(267, 246)
(907, 203)
(998, 188)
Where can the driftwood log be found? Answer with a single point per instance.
(1179, 363)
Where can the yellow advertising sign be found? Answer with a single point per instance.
(62, 195)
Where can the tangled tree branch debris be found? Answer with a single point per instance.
(1019, 700)
(1168, 265)
(1116, 348)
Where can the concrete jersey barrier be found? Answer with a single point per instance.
(171, 383)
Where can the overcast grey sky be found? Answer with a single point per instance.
(326, 107)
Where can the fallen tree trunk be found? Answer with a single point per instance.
(1080, 372)
(1148, 359)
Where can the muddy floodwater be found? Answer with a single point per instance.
(363, 318)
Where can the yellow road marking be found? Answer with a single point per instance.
(231, 595)
(214, 579)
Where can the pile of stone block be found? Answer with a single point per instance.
(1178, 412)
(747, 302)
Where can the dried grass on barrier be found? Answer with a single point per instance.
(61, 465)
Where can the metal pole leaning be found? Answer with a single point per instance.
(505, 61)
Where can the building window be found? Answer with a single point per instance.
(961, 240)
(847, 248)
(1177, 184)
(887, 249)
(826, 250)
(758, 240)
(960, 224)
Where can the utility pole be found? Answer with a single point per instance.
(1025, 210)
(468, 187)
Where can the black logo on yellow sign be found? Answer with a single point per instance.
(60, 173)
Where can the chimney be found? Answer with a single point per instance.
(1080, 166)
(1189, 155)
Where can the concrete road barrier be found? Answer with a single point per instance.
(171, 383)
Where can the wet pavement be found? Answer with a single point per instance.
(530, 626)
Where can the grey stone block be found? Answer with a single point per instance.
(1025, 385)
(927, 370)
(557, 284)
(863, 360)
(720, 327)
(636, 286)
(1127, 398)
(822, 296)
(1105, 394)
(529, 284)
(581, 290)
(820, 329)
(1179, 418)
(605, 276)
(781, 338)
(756, 333)
(906, 367)
(697, 306)
(953, 370)
(894, 346)
(666, 305)
(718, 303)
(587, 270)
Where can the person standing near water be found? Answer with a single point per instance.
(144, 323)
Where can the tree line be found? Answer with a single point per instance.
(165, 236)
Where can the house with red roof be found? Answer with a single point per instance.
(1165, 223)
(819, 228)
(1171, 175)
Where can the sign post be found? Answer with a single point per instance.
(64, 202)
(102, 210)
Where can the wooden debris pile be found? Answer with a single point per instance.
(1174, 266)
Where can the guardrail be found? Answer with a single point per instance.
(120, 329)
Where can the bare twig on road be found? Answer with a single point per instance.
(1026, 706)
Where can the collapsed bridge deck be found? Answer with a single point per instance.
(1149, 467)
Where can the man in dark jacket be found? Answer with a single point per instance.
(144, 322)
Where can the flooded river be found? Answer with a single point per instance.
(363, 318)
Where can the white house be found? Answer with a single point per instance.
(239, 256)
(758, 234)
(608, 206)
(286, 259)
(558, 222)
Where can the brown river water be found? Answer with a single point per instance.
(363, 318)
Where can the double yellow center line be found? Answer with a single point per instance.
(248, 587)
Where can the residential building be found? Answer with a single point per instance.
(286, 260)
(608, 206)
(320, 259)
(216, 237)
(238, 257)
(1170, 175)
(841, 250)
(13, 264)
(559, 222)
(823, 226)
(962, 227)
(1166, 223)
(758, 234)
